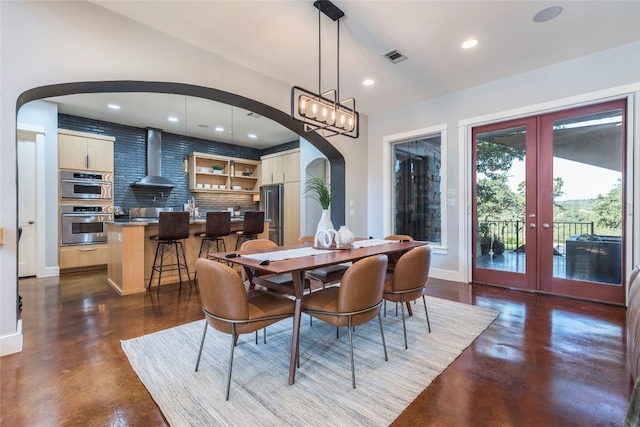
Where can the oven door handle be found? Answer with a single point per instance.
(85, 181)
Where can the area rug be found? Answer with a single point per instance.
(322, 394)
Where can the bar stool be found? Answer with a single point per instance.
(218, 225)
(253, 225)
(172, 228)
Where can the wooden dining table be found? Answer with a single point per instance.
(297, 267)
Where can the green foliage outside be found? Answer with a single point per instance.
(496, 202)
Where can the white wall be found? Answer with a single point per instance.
(50, 42)
(605, 70)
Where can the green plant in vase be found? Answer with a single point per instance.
(217, 169)
(316, 189)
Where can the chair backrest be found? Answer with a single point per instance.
(305, 240)
(399, 237)
(173, 225)
(254, 244)
(412, 269)
(218, 224)
(253, 222)
(222, 293)
(361, 287)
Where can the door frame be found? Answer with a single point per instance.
(630, 92)
(41, 212)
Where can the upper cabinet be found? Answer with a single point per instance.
(84, 151)
(281, 167)
(208, 172)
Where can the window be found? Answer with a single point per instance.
(417, 190)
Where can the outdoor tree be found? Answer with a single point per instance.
(608, 208)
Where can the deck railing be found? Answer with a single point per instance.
(512, 232)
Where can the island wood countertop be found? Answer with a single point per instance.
(131, 253)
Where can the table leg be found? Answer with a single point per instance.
(248, 271)
(298, 285)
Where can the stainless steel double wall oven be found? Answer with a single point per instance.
(80, 222)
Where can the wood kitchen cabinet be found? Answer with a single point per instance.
(211, 173)
(281, 167)
(84, 151)
(83, 256)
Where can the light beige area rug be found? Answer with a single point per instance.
(322, 394)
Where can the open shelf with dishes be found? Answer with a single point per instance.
(211, 173)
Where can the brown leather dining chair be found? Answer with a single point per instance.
(328, 275)
(229, 308)
(408, 281)
(356, 301)
(280, 282)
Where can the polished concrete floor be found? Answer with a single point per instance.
(545, 361)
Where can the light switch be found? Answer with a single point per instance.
(451, 192)
(352, 203)
(352, 212)
(451, 202)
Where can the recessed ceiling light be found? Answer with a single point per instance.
(202, 125)
(469, 44)
(114, 106)
(368, 82)
(173, 119)
(219, 129)
(547, 14)
(252, 136)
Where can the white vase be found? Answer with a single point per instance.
(344, 237)
(325, 221)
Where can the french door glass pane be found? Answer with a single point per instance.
(417, 192)
(587, 190)
(500, 199)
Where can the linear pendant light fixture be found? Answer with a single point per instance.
(323, 111)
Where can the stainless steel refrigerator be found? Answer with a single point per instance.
(272, 203)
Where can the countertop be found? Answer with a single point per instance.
(145, 222)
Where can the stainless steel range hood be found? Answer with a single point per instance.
(154, 162)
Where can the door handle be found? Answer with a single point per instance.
(545, 225)
(532, 225)
(88, 249)
(30, 222)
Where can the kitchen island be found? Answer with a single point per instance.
(131, 253)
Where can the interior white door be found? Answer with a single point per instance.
(27, 254)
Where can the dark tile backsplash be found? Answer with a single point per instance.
(130, 164)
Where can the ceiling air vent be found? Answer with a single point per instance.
(254, 115)
(394, 56)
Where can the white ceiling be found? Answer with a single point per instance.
(280, 39)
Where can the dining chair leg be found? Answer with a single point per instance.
(426, 313)
(384, 345)
(404, 326)
(233, 345)
(204, 334)
(264, 334)
(256, 337)
(353, 371)
(384, 307)
(337, 332)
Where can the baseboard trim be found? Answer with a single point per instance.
(454, 276)
(10, 344)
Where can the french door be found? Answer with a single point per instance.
(549, 202)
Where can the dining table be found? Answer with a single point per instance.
(297, 259)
